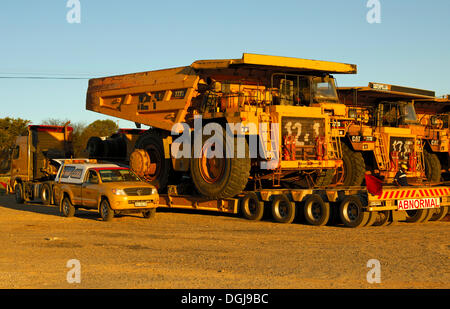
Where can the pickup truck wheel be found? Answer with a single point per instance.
(19, 194)
(352, 212)
(106, 212)
(67, 208)
(148, 214)
(46, 194)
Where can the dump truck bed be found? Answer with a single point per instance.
(161, 98)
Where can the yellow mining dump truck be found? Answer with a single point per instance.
(384, 130)
(278, 111)
(433, 115)
(33, 164)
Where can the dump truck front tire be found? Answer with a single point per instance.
(220, 177)
(432, 167)
(354, 167)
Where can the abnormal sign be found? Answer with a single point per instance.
(413, 204)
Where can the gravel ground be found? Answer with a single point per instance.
(191, 250)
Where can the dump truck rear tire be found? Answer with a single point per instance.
(220, 177)
(325, 179)
(432, 166)
(354, 167)
(152, 143)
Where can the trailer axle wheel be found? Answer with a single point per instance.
(283, 210)
(439, 214)
(317, 212)
(251, 207)
(352, 212)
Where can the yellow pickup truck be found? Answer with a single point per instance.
(108, 188)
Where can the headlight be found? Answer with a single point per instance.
(118, 192)
(154, 191)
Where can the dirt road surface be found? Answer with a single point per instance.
(190, 250)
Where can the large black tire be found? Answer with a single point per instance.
(416, 216)
(106, 212)
(325, 178)
(152, 142)
(67, 208)
(251, 207)
(149, 214)
(439, 213)
(46, 194)
(220, 177)
(382, 218)
(354, 167)
(432, 167)
(316, 211)
(352, 212)
(283, 210)
(95, 147)
(18, 190)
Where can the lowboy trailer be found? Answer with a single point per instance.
(352, 206)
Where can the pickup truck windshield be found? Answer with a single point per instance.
(117, 175)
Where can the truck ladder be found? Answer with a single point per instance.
(380, 152)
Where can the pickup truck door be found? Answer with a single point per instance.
(90, 189)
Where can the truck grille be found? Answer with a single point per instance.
(303, 132)
(138, 191)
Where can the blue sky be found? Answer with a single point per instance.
(409, 47)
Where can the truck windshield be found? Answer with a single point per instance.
(409, 113)
(324, 89)
(117, 175)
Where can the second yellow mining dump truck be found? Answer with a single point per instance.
(433, 119)
(384, 131)
(274, 117)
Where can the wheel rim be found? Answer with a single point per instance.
(352, 212)
(315, 211)
(105, 210)
(155, 157)
(211, 169)
(252, 206)
(66, 207)
(282, 209)
(45, 194)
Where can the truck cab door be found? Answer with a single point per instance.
(90, 190)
